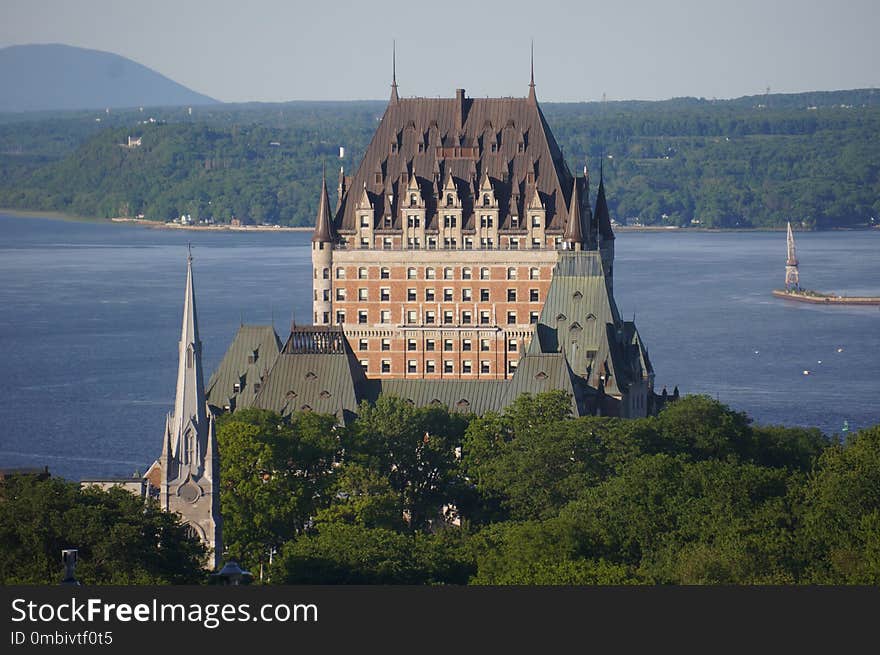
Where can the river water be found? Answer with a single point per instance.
(90, 317)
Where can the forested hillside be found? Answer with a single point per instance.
(751, 162)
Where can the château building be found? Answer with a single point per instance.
(461, 265)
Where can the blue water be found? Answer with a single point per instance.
(90, 317)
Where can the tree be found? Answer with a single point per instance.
(274, 477)
(121, 540)
(414, 448)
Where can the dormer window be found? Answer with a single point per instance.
(413, 201)
(252, 358)
(449, 200)
(494, 147)
(485, 200)
(378, 178)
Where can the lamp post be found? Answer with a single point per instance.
(68, 558)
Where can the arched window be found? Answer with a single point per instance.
(449, 200)
(485, 200)
(412, 200)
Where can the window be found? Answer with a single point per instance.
(536, 221)
(448, 274)
(411, 295)
(430, 317)
(449, 221)
(447, 366)
(365, 243)
(511, 345)
(487, 244)
(326, 317)
(511, 317)
(468, 244)
(385, 273)
(430, 273)
(386, 344)
(411, 274)
(536, 244)
(362, 273)
(411, 366)
(362, 294)
(484, 273)
(484, 345)
(449, 200)
(511, 295)
(533, 295)
(466, 366)
(413, 221)
(432, 243)
(325, 294)
(466, 344)
(466, 294)
(447, 345)
(430, 365)
(365, 365)
(466, 317)
(385, 316)
(386, 365)
(514, 243)
(340, 293)
(411, 344)
(484, 295)
(340, 317)
(486, 221)
(363, 344)
(362, 317)
(484, 318)
(414, 243)
(484, 366)
(466, 273)
(387, 243)
(325, 273)
(429, 344)
(447, 295)
(387, 221)
(447, 317)
(511, 273)
(533, 317)
(340, 273)
(412, 316)
(514, 222)
(429, 295)
(385, 294)
(236, 388)
(534, 274)
(511, 367)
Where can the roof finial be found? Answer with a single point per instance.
(394, 97)
(532, 73)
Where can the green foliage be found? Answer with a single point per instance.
(120, 539)
(841, 513)
(274, 474)
(751, 162)
(414, 448)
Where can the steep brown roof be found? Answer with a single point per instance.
(435, 139)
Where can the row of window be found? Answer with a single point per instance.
(448, 345)
(412, 366)
(451, 220)
(412, 273)
(430, 295)
(430, 317)
(486, 243)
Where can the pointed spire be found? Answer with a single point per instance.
(603, 217)
(394, 97)
(323, 226)
(532, 95)
(574, 235)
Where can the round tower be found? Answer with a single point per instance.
(322, 261)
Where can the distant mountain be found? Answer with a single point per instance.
(54, 77)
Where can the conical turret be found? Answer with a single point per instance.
(323, 224)
(574, 235)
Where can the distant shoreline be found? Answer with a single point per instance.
(225, 227)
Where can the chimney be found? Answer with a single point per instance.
(459, 108)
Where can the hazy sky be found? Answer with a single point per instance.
(276, 50)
